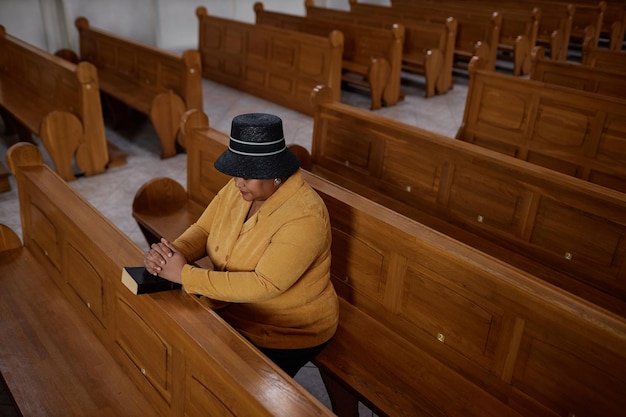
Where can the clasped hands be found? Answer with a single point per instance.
(164, 260)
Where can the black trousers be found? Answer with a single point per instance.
(291, 360)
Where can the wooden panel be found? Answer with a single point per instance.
(86, 281)
(546, 351)
(47, 237)
(450, 313)
(145, 348)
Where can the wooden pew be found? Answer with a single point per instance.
(604, 58)
(578, 76)
(429, 326)
(278, 65)
(158, 83)
(57, 101)
(428, 48)
(561, 229)
(372, 57)
(165, 354)
(568, 130)
(477, 34)
(518, 30)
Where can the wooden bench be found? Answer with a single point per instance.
(158, 83)
(575, 75)
(57, 101)
(604, 58)
(278, 65)
(518, 29)
(477, 34)
(428, 48)
(372, 57)
(613, 23)
(561, 229)
(555, 26)
(568, 130)
(101, 349)
(429, 326)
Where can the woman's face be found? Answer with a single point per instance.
(255, 190)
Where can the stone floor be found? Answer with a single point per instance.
(112, 192)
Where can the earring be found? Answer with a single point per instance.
(277, 181)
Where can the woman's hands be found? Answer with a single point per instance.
(163, 260)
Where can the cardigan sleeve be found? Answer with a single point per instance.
(292, 252)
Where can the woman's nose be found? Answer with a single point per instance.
(238, 182)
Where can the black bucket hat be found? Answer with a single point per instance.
(257, 149)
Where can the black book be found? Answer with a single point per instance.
(140, 281)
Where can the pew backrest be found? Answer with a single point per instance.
(275, 64)
(575, 132)
(572, 229)
(614, 60)
(578, 76)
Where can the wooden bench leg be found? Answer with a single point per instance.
(165, 113)
(13, 126)
(61, 134)
(344, 403)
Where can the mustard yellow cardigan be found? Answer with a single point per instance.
(273, 269)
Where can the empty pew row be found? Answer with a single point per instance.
(608, 17)
(158, 83)
(77, 342)
(561, 21)
(477, 34)
(567, 231)
(428, 326)
(278, 65)
(57, 101)
(428, 48)
(578, 76)
(613, 23)
(575, 132)
(518, 30)
(372, 57)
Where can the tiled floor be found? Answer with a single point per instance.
(112, 193)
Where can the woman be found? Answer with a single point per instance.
(268, 235)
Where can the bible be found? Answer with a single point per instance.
(140, 281)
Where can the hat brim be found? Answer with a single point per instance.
(280, 165)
